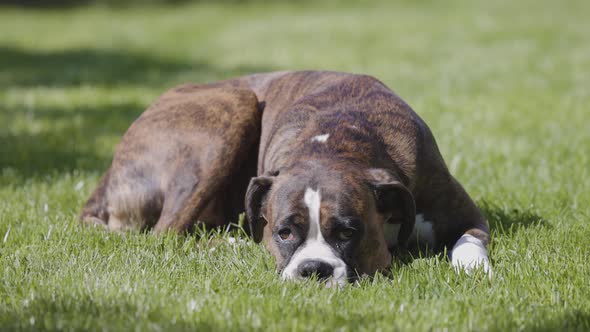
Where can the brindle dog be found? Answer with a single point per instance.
(346, 171)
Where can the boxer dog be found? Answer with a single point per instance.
(346, 173)
(188, 157)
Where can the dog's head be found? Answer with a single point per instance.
(327, 219)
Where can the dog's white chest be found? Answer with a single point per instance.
(422, 234)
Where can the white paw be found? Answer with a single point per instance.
(469, 253)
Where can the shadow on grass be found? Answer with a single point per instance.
(67, 140)
(25, 68)
(66, 4)
(61, 140)
(573, 320)
(503, 220)
(84, 313)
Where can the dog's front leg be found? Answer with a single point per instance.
(470, 252)
(458, 224)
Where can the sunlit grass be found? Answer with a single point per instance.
(503, 86)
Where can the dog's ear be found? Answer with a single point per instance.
(255, 198)
(394, 201)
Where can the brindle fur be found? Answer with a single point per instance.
(188, 157)
(199, 144)
(375, 137)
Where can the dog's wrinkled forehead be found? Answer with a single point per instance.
(340, 195)
(286, 196)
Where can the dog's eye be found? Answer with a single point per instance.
(345, 234)
(285, 234)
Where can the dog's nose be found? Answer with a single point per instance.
(310, 267)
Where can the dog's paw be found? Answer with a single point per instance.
(469, 254)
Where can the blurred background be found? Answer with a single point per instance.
(111, 3)
(503, 85)
(494, 80)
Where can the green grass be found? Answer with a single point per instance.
(504, 86)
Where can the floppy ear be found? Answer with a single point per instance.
(395, 201)
(255, 197)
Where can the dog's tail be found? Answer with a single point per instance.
(95, 211)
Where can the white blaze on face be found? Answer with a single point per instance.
(315, 246)
(470, 253)
(320, 138)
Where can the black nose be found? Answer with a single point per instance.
(309, 267)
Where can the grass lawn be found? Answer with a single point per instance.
(504, 86)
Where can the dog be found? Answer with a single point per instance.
(336, 171)
(188, 157)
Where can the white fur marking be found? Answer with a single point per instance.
(423, 232)
(315, 246)
(312, 201)
(320, 138)
(470, 253)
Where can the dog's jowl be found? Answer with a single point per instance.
(346, 172)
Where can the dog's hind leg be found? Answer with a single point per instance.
(175, 198)
(458, 224)
(135, 197)
(95, 211)
(189, 203)
(221, 163)
(175, 163)
(217, 199)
